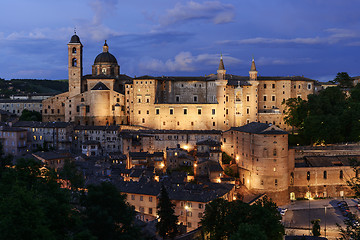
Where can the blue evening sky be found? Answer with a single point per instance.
(314, 38)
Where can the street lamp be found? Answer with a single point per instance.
(325, 218)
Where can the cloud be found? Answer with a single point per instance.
(278, 61)
(102, 9)
(214, 11)
(38, 34)
(185, 62)
(336, 35)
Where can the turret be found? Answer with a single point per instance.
(221, 70)
(253, 73)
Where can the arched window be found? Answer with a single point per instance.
(74, 62)
(341, 174)
(308, 175)
(74, 50)
(325, 174)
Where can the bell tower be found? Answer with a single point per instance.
(75, 67)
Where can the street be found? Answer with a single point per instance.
(297, 218)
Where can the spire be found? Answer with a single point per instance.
(105, 47)
(221, 64)
(253, 67)
(253, 73)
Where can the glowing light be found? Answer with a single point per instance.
(186, 147)
(162, 165)
(237, 158)
(195, 165)
(234, 198)
(219, 180)
(248, 181)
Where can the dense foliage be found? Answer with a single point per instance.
(238, 220)
(167, 223)
(27, 115)
(33, 206)
(15, 86)
(329, 117)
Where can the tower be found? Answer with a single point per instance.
(252, 105)
(253, 73)
(221, 83)
(75, 65)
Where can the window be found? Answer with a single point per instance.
(274, 152)
(171, 111)
(264, 98)
(309, 86)
(213, 111)
(74, 63)
(273, 98)
(200, 205)
(247, 110)
(157, 111)
(141, 198)
(273, 86)
(132, 197)
(189, 224)
(177, 98)
(195, 98)
(200, 215)
(227, 98)
(308, 176)
(325, 174)
(341, 174)
(248, 98)
(74, 50)
(265, 85)
(276, 182)
(227, 111)
(185, 111)
(150, 211)
(199, 111)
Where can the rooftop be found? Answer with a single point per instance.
(259, 128)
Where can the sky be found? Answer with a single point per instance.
(313, 38)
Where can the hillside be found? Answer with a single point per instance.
(27, 86)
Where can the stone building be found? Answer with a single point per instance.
(216, 101)
(55, 135)
(263, 157)
(16, 106)
(13, 140)
(189, 199)
(106, 139)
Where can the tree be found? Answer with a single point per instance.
(295, 112)
(343, 79)
(167, 223)
(248, 231)
(27, 115)
(69, 172)
(221, 220)
(107, 214)
(32, 204)
(316, 227)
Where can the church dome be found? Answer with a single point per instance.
(75, 39)
(105, 56)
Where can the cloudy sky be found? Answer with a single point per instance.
(314, 38)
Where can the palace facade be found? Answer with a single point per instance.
(214, 102)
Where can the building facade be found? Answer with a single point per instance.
(214, 102)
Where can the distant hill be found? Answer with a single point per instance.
(25, 86)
